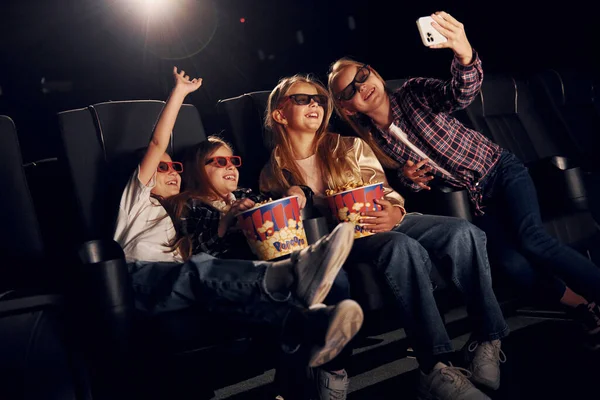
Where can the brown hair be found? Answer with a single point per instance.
(355, 121)
(196, 185)
(332, 166)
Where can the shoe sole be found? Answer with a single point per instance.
(485, 384)
(332, 266)
(344, 324)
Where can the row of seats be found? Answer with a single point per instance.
(97, 142)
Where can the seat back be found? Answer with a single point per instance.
(243, 117)
(568, 101)
(20, 235)
(503, 111)
(99, 142)
(506, 112)
(395, 84)
(21, 242)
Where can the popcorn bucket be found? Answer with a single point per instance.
(274, 229)
(346, 206)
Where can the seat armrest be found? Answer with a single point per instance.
(106, 293)
(560, 185)
(11, 306)
(441, 200)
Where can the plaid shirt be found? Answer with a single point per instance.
(202, 220)
(421, 108)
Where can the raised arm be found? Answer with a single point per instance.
(467, 74)
(162, 131)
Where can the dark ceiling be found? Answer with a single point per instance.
(87, 51)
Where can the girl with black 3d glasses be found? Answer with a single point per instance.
(403, 250)
(412, 131)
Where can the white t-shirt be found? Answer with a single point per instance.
(400, 134)
(312, 175)
(143, 226)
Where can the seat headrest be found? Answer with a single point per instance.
(578, 89)
(125, 126)
(499, 95)
(395, 84)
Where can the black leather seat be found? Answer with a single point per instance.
(39, 357)
(242, 118)
(569, 101)
(505, 112)
(98, 142)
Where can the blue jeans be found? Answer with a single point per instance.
(458, 249)
(231, 287)
(519, 243)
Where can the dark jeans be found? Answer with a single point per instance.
(234, 289)
(404, 256)
(518, 241)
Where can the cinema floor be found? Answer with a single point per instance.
(545, 360)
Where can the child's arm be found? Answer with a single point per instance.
(162, 131)
(202, 224)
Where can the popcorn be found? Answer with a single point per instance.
(347, 186)
(274, 229)
(347, 205)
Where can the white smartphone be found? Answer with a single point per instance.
(429, 35)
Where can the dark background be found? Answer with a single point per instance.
(60, 55)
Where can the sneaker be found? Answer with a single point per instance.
(485, 363)
(317, 266)
(332, 385)
(448, 383)
(589, 315)
(332, 327)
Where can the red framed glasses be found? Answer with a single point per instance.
(222, 162)
(166, 166)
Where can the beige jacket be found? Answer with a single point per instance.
(364, 167)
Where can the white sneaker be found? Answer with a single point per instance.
(317, 266)
(485, 363)
(332, 385)
(448, 383)
(334, 326)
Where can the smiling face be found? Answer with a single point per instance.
(369, 96)
(167, 183)
(299, 119)
(223, 179)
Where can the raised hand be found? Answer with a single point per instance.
(454, 31)
(183, 82)
(228, 219)
(417, 172)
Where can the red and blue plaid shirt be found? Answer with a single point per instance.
(421, 108)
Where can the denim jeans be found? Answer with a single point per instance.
(458, 250)
(233, 289)
(519, 242)
(226, 287)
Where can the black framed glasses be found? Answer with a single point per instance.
(361, 76)
(302, 99)
(166, 166)
(222, 161)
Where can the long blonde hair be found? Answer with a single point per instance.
(330, 157)
(356, 121)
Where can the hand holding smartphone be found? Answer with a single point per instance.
(429, 35)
